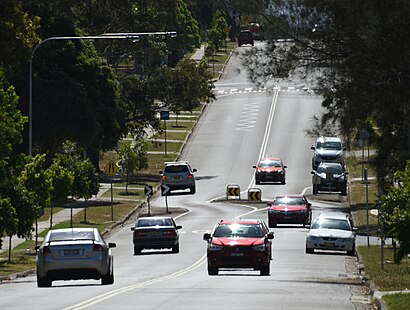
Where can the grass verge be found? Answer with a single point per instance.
(397, 301)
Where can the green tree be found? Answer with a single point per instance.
(185, 87)
(396, 213)
(8, 219)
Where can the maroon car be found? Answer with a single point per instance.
(289, 209)
(239, 244)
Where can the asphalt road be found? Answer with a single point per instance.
(241, 126)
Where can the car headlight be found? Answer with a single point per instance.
(273, 211)
(259, 248)
(313, 238)
(215, 247)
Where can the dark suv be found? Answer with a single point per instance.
(239, 244)
(245, 37)
(329, 177)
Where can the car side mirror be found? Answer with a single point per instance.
(285, 166)
(344, 148)
(312, 172)
(254, 167)
(312, 147)
(112, 245)
(270, 235)
(37, 247)
(132, 228)
(178, 227)
(355, 229)
(346, 172)
(269, 204)
(161, 172)
(207, 236)
(194, 170)
(309, 205)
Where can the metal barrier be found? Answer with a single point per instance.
(233, 190)
(254, 194)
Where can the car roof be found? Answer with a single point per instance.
(241, 221)
(336, 139)
(76, 229)
(333, 215)
(290, 196)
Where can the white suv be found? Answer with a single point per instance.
(328, 150)
(178, 176)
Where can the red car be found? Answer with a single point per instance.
(270, 169)
(239, 244)
(289, 209)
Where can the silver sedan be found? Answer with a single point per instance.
(73, 254)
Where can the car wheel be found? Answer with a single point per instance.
(137, 250)
(43, 282)
(272, 225)
(213, 271)
(314, 189)
(192, 189)
(353, 251)
(309, 250)
(283, 181)
(175, 248)
(344, 191)
(108, 279)
(265, 270)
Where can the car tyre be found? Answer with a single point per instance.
(314, 189)
(353, 251)
(137, 250)
(283, 181)
(309, 250)
(265, 270)
(108, 279)
(344, 191)
(192, 189)
(175, 248)
(43, 282)
(213, 271)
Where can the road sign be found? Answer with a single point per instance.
(164, 189)
(148, 190)
(111, 168)
(254, 194)
(164, 115)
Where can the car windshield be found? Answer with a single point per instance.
(71, 235)
(154, 222)
(289, 201)
(176, 169)
(239, 230)
(329, 145)
(337, 169)
(269, 163)
(326, 223)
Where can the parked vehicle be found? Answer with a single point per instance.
(245, 37)
(73, 254)
(157, 232)
(289, 209)
(239, 244)
(330, 177)
(270, 169)
(332, 231)
(178, 176)
(328, 150)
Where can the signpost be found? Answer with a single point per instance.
(148, 192)
(165, 190)
(165, 117)
(111, 168)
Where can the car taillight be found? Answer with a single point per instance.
(97, 248)
(190, 176)
(46, 249)
(169, 233)
(163, 177)
(139, 234)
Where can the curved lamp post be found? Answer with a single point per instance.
(105, 36)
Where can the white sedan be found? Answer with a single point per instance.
(331, 231)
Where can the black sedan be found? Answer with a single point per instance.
(155, 233)
(330, 177)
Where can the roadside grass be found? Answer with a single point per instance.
(159, 146)
(121, 193)
(393, 277)
(181, 124)
(398, 301)
(172, 135)
(23, 258)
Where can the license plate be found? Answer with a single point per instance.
(236, 254)
(71, 252)
(177, 177)
(327, 244)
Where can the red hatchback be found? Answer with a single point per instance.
(239, 244)
(289, 209)
(270, 169)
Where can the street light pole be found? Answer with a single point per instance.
(104, 36)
